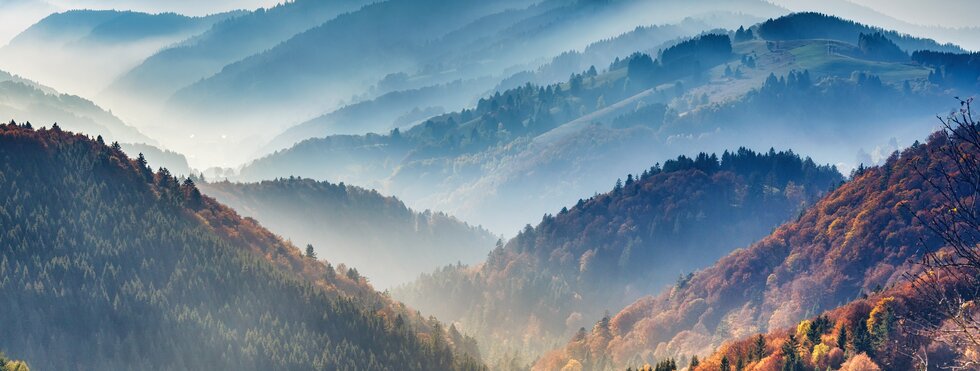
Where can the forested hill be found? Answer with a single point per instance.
(860, 238)
(608, 250)
(383, 238)
(108, 265)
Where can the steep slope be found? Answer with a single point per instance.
(108, 265)
(386, 240)
(562, 274)
(860, 237)
(82, 51)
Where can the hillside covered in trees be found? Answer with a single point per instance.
(383, 238)
(864, 237)
(109, 265)
(926, 321)
(597, 255)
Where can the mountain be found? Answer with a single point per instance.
(551, 279)
(108, 265)
(405, 108)
(712, 91)
(166, 71)
(81, 51)
(22, 100)
(385, 239)
(465, 41)
(865, 235)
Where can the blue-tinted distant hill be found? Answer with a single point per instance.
(398, 45)
(170, 69)
(81, 51)
(24, 100)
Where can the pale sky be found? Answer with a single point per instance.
(950, 13)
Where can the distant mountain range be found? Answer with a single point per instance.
(762, 87)
(81, 51)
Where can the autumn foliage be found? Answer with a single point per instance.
(857, 240)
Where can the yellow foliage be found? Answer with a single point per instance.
(16, 366)
(881, 315)
(803, 329)
(572, 365)
(820, 353)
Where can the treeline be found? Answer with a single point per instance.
(106, 264)
(951, 69)
(809, 25)
(691, 57)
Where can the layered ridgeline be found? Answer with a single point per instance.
(82, 51)
(383, 238)
(863, 236)
(22, 100)
(246, 67)
(711, 92)
(403, 108)
(432, 40)
(169, 69)
(108, 265)
(604, 252)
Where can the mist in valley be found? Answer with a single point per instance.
(517, 170)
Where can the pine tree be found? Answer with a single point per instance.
(759, 350)
(310, 253)
(791, 355)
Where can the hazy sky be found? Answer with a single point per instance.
(951, 13)
(18, 15)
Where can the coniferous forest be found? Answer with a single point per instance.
(513, 185)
